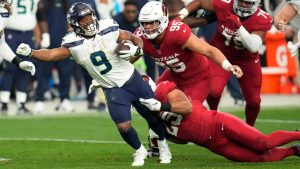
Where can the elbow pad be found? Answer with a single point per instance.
(251, 41)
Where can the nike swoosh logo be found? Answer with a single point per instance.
(184, 30)
(256, 60)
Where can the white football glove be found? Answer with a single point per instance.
(45, 43)
(293, 48)
(131, 52)
(151, 104)
(24, 50)
(93, 86)
(27, 66)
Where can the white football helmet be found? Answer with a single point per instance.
(154, 11)
(245, 12)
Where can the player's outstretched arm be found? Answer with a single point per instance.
(200, 46)
(284, 16)
(195, 5)
(44, 54)
(177, 103)
(9, 56)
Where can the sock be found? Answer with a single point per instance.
(131, 138)
(251, 114)
(5, 96)
(20, 97)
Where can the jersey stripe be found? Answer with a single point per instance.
(73, 44)
(108, 30)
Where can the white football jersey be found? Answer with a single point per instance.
(4, 15)
(97, 55)
(24, 15)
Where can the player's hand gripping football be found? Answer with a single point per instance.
(24, 50)
(27, 66)
(131, 52)
(93, 86)
(235, 20)
(151, 104)
(236, 71)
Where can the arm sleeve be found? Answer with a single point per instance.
(6, 53)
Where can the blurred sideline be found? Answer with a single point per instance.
(80, 106)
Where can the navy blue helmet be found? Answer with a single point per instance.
(78, 11)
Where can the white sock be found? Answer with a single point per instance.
(21, 97)
(5, 96)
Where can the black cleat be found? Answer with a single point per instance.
(296, 148)
(4, 109)
(23, 109)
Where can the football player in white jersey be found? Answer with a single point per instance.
(6, 53)
(285, 15)
(92, 44)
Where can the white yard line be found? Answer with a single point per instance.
(4, 159)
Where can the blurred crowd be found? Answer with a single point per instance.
(65, 79)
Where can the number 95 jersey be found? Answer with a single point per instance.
(97, 55)
(185, 65)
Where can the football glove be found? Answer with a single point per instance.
(131, 52)
(27, 66)
(293, 48)
(45, 43)
(93, 86)
(151, 104)
(24, 50)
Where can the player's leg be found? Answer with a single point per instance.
(218, 82)
(198, 90)
(22, 76)
(118, 102)
(250, 84)
(236, 130)
(141, 89)
(165, 76)
(237, 152)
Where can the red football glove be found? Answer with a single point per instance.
(235, 20)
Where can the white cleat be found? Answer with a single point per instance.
(139, 156)
(165, 155)
(39, 107)
(65, 106)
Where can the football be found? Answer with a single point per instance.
(122, 46)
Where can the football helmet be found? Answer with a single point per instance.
(78, 11)
(151, 12)
(242, 11)
(296, 4)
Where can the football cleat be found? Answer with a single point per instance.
(23, 109)
(4, 109)
(139, 156)
(164, 152)
(65, 106)
(39, 107)
(296, 148)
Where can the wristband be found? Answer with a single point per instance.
(183, 13)
(226, 64)
(165, 107)
(16, 60)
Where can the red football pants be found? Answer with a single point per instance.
(250, 84)
(196, 90)
(238, 141)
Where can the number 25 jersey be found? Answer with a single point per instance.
(185, 65)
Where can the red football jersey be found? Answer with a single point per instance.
(227, 38)
(195, 127)
(185, 65)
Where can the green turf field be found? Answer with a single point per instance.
(92, 141)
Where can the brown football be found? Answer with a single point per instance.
(122, 46)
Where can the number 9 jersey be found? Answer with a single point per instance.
(97, 55)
